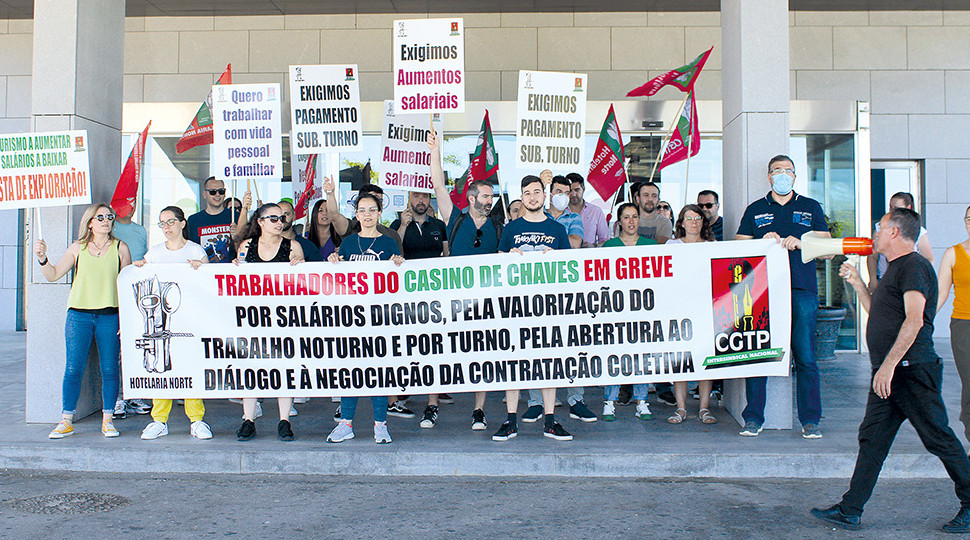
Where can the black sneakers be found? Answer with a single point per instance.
(833, 514)
(579, 411)
(284, 431)
(246, 431)
(446, 399)
(959, 524)
(557, 432)
(478, 420)
(506, 432)
(400, 410)
(430, 417)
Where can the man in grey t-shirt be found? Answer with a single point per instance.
(653, 224)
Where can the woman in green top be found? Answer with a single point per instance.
(92, 311)
(629, 218)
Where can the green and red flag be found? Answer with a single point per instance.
(199, 131)
(682, 77)
(484, 164)
(309, 191)
(606, 171)
(126, 192)
(685, 135)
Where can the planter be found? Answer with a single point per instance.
(827, 324)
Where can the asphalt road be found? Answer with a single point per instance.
(259, 506)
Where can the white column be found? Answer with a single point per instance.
(755, 105)
(76, 84)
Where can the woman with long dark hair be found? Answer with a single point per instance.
(692, 227)
(367, 245)
(321, 231)
(263, 242)
(92, 312)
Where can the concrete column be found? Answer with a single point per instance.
(755, 105)
(77, 79)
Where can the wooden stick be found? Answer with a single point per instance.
(40, 225)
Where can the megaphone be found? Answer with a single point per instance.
(815, 245)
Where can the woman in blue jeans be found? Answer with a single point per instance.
(92, 311)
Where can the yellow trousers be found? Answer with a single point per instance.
(161, 408)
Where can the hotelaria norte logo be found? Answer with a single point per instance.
(157, 301)
(742, 329)
(401, 32)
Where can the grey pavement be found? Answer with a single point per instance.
(111, 505)
(625, 448)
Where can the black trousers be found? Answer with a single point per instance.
(914, 396)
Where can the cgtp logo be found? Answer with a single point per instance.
(742, 329)
(157, 301)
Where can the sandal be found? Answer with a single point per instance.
(706, 416)
(679, 416)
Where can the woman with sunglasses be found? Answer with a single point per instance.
(92, 312)
(176, 249)
(692, 227)
(263, 242)
(666, 210)
(955, 273)
(322, 231)
(367, 245)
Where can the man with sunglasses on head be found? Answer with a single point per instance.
(212, 226)
(710, 204)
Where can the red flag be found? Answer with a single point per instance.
(126, 192)
(199, 131)
(682, 77)
(606, 172)
(309, 190)
(686, 130)
(483, 166)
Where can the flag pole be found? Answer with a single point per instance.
(690, 144)
(666, 141)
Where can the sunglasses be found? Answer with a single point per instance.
(167, 223)
(478, 238)
(706, 205)
(102, 217)
(663, 207)
(220, 191)
(275, 219)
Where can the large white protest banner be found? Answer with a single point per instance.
(247, 139)
(429, 65)
(405, 158)
(44, 169)
(325, 109)
(460, 324)
(551, 121)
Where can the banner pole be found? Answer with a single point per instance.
(690, 144)
(232, 207)
(666, 141)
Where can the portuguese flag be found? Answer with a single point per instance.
(483, 166)
(682, 77)
(606, 172)
(126, 192)
(685, 131)
(199, 131)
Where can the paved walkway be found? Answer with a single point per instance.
(625, 448)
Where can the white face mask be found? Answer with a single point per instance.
(560, 201)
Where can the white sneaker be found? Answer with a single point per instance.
(300, 400)
(609, 411)
(235, 400)
(343, 432)
(200, 430)
(381, 436)
(293, 411)
(334, 400)
(258, 413)
(643, 411)
(154, 430)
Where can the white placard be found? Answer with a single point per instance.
(551, 122)
(429, 65)
(44, 169)
(325, 109)
(247, 140)
(405, 158)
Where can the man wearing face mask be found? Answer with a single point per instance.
(785, 216)
(559, 210)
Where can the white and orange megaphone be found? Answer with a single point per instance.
(815, 245)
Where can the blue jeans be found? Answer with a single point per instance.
(808, 392)
(612, 392)
(79, 329)
(348, 407)
(574, 394)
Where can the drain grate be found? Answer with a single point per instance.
(68, 503)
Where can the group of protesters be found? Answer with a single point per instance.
(224, 231)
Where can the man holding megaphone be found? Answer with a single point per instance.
(785, 216)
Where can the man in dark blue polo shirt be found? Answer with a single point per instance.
(785, 216)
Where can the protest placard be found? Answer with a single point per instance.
(44, 169)
(429, 65)
(405, 158)
(537, 320)
(247, 136)
(551, 121)
(325, 109)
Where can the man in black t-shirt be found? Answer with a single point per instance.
(907, 374)
(423, 235)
